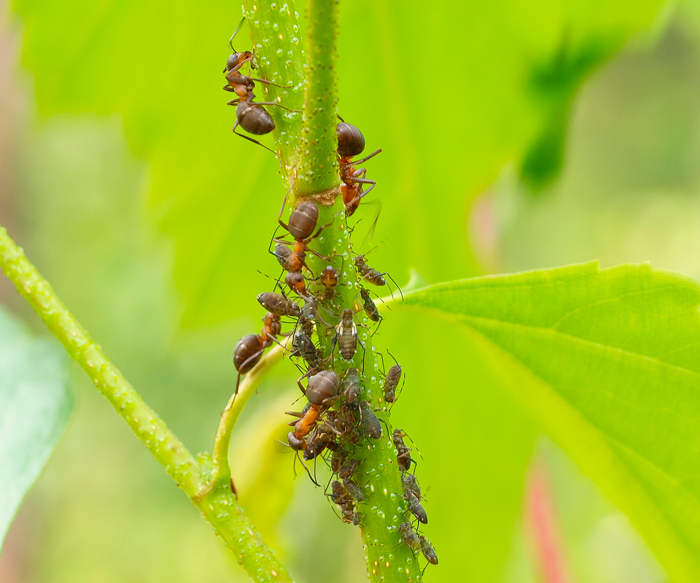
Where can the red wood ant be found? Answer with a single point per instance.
(351, 143)
(250, 348)
(250, 115)
(302, 223)
(321, 391)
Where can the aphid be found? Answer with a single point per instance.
(318, 441)
(415, 507)
(337, 460)
(345, 473)
(351, 143)
(272, 327)
(308, 317)
(346, 335)
(351, 387)
(409, 536)
(369, 306)
(344, 500)
(282, 253)
(410, 484)
(279, 304)
(391, 382)
(329, 279)
(369, 273)
(370, 422)
(250, 115)
(305, 347)
(428, 550)
(404, 452)
(345, 423)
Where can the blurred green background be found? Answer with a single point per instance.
(516, 135)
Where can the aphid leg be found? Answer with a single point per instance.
(397, 286)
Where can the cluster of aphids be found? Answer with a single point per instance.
(337, 415)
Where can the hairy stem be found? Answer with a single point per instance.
(218, 504)
(279, 55)
(318, 171)
(388, 559)
(248, 386)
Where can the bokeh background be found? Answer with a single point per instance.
(516, 135)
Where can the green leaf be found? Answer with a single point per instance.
(35, 403)
(609, 362)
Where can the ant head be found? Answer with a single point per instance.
(238, 58)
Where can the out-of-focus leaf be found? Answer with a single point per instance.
(608, 360)
(35, 403)
(507, 71)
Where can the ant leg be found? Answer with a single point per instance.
(307, 470)
(362, 160)
(277, 104)
(271, 83)
(279, 218)
(363, 180)
(317, 255)
(237, 67)
(247, 361)
(318, 232)
(251, 139)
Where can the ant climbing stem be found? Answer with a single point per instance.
(251, 115)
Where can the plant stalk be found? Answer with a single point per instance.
(218, 504)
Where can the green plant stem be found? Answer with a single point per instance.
(388, 559)
(279, 55)
(218, 504)
(318, 170)
(248, 386)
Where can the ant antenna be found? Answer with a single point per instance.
(238, 28)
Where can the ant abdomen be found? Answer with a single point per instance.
(254, 118)
(247, 353)
(322, 387)
(351, 142)
(303, 220)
